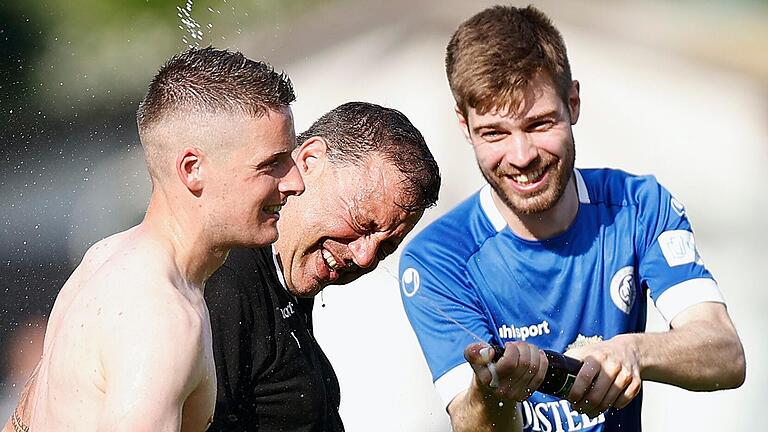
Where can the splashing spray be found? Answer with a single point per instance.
(189, 24)
(561, 372)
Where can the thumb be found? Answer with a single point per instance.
(478, 353)
(578, 353)
(480, 357)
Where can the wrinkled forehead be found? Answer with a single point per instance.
(377, 191)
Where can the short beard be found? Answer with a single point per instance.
(544, 200)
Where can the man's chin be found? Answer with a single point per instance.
(307, 291)
(530, 205)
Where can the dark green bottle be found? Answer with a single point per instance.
(561, 372)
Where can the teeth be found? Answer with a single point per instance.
(329, 259)
(273, 209)
(528, 178)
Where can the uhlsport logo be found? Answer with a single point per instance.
(623, 289)
(409, 282)
(525, 331)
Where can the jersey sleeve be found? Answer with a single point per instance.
(444, 313)
(670, 265)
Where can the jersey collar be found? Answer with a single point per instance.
(278, 270)
(495, 216)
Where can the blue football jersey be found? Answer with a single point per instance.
(468, 276)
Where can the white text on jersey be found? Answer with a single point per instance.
(523, 333)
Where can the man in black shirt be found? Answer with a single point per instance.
(369, 176)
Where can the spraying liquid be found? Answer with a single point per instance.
(561, 372)
(194, 31)
(190, 25)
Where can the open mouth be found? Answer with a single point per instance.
(273, 209)
(330, 261)
(531, 177)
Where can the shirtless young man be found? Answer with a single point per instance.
(128, 344)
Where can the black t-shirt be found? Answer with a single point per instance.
(271, 373)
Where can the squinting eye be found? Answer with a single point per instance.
(543, 124)
(492, 136)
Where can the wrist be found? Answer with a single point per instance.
(633, 346)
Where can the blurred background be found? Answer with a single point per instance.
(676, 88)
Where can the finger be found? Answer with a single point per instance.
(616, 389)
(539, 373)
(583, 381)
(472, 353)
(477, 356)
(527, 376)
(631, 391)
(492, 370)
(592, 402)
(516, 361)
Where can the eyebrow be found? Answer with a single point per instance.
(273, 157)
(530, 118)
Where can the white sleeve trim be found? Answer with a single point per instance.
(686, 294)
(454, 382)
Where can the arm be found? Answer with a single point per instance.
(700, 352)
(151, 362)
(483, 407)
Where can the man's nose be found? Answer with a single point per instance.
(292, 183)
(364, 251)
(520, 150)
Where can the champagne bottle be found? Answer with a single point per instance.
(561, 372)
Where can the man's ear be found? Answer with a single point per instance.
(463, 124)
(189, 169)
(574, 102)
(311, 156)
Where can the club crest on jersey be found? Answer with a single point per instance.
(623, 291)
(409, 281)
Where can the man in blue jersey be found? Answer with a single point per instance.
(549, 256)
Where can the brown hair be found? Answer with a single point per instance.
(494, 55)
(358, 130)
(214, 80)
(208, 81)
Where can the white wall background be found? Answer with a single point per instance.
(700, 129)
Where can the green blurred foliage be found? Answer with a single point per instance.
(64, 60)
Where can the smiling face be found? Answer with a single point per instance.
(527, 154)
(343, 225)
(249, 184)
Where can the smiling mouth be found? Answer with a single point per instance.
(274, 209)
(330, 261)
(531, 177)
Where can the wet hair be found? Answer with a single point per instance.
(356, 131)
(213, 80)
(210, 81)
(494, 55)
